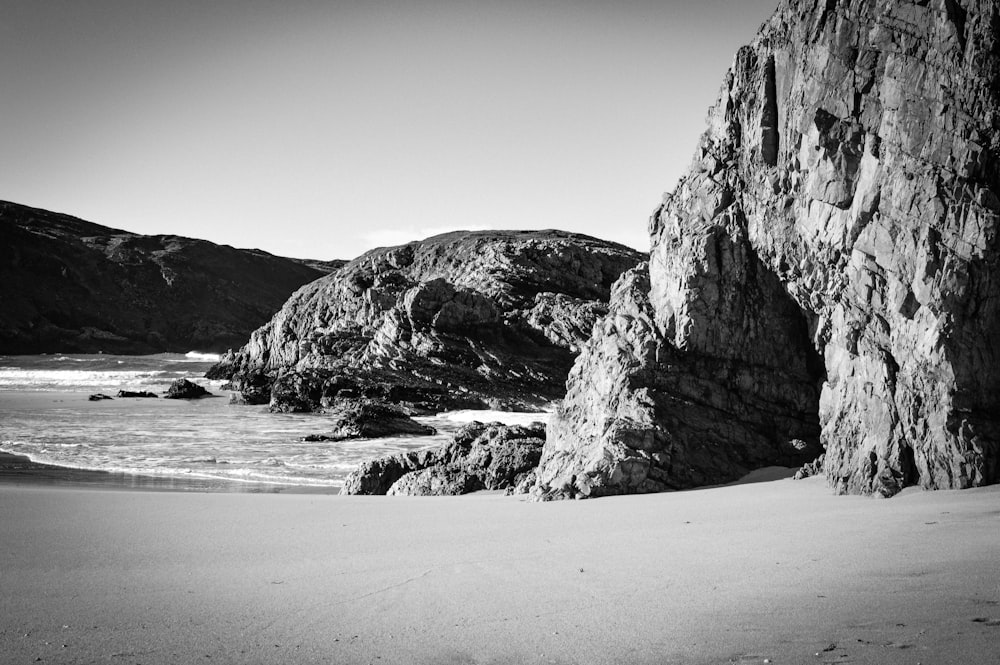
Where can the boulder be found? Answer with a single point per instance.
(184, 389)
(377, 475)
(823, 280)
(480, 457)
(437, 481)
(365, 419)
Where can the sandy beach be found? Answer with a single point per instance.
(779, 572)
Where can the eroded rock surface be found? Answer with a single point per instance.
(467, 319)
(825, 276)
(481, 457)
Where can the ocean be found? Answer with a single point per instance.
(45, 415)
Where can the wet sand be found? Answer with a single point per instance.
(779, 572)
(19, 470)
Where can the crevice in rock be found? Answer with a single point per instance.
(815, 364)
(821, 21)
(769, 116)
(891, 370)
(957, 15)
(802, 334)
(908, 466)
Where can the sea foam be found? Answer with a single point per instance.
(12, 378)
(505, 417)
(200, 356)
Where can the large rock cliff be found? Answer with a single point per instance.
(67, 285)
(465, 319)
(826, 275)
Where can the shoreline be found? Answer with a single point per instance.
(203, 429)
(20, 470)
(206, 444)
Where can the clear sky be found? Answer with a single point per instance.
(321, 129)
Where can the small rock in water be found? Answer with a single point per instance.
(97, 397)
(369, 419)
(317, 438)
(184, 389)
(138, 393)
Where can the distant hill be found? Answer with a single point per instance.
(67, 285)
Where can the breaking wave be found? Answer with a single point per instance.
(99, 371)
(203, 357)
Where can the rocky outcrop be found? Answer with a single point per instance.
(481, 457)
(364, 419)
(813, 468)
(184, 389)
(825, 276)
(466, 319)
(74, 286)
(137, 393)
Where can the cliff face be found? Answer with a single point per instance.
(73, 286)
(489, 318)
(825, 277)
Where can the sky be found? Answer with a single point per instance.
(321, 129)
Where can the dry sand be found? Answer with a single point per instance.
(779, 572)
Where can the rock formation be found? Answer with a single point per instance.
(184, 389)
(137, 393)
(73, 286)
(824, 278)
(481, 457)
(465, 319)
(364, 419)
